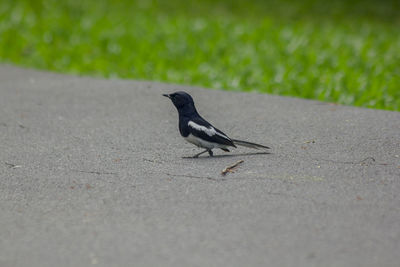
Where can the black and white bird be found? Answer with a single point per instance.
(200, 132)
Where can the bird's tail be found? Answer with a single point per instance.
(248, 144)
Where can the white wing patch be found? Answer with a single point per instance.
(209, 131)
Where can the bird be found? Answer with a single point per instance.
(196, 130)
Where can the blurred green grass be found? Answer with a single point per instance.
(340, 51)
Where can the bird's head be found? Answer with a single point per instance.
(181, 100)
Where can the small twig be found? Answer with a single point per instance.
(12, 166)
(231, 167)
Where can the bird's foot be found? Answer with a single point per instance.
(197, 155)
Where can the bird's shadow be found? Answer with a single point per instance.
(230, 155)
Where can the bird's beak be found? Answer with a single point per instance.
(166, 95)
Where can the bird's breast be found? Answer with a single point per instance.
(183, 128)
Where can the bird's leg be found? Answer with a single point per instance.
(197, 155)
(210, 152)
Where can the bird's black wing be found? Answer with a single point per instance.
(201, 128)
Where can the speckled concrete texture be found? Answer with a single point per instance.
(92, 173)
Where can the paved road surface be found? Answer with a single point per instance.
(91, 173)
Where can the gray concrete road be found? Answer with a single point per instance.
(91, 173)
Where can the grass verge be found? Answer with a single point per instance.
(345, 51)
